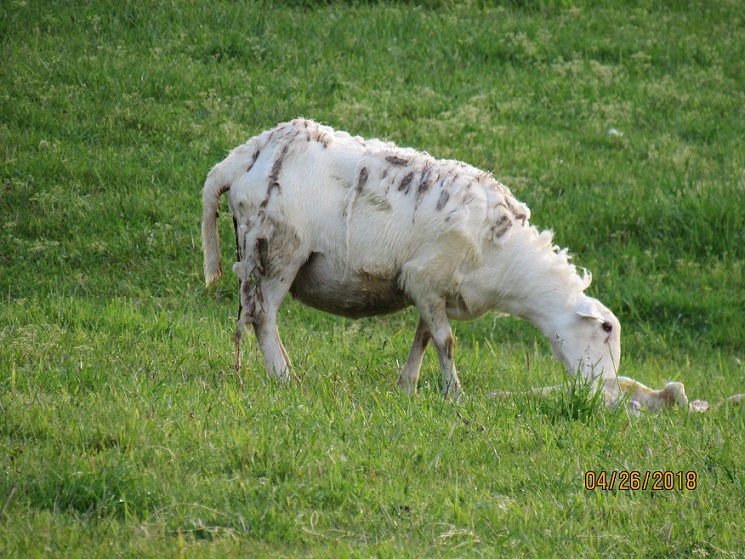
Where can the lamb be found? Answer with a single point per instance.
(360, 227)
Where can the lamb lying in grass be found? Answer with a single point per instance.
(636, 396)
(618, 390)
(362, 227)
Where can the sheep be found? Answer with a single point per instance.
(360, 228)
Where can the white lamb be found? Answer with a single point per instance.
(361, 227)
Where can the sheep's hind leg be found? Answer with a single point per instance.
(410, 372)
(264, 320)
(265, 283)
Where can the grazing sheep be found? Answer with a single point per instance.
(361, 227)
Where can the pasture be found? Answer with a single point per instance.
(124, 431)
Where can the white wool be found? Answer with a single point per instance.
(361, 227)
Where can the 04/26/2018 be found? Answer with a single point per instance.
(659, 480)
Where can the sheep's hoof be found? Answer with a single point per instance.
(408, 388)
(453, 393)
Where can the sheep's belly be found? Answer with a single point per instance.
(352, 293)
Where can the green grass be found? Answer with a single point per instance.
(124, 432)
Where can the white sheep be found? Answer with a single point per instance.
(361, 227)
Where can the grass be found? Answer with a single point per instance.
(123, 431)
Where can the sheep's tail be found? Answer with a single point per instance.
(214, 188)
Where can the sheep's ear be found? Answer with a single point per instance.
(587, 309)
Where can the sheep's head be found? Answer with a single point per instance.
(589, 340)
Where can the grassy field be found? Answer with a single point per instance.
(123, 431)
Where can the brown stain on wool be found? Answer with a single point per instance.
(396, 160)
(406, 183)
(364, 175)
(443, 200)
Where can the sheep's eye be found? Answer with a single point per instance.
(607, 326)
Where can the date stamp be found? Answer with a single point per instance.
(660, 480)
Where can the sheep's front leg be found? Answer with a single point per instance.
(436, 321)
(410, 373)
